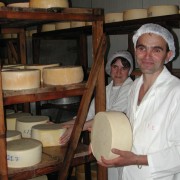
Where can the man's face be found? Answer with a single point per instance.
(151, 53)
(118, 72)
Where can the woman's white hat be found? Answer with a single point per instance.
(124, 54)
(158, 30)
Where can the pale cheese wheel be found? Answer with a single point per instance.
(113, 17)
(62, 25)
(13, 135)
(48, 27)
(25, 124)
(48, 3)
(40, 67)
(110, 130)
(44, 177)
(75, 24)
(21, 79)
(134, 14)
(162, 10)
(48, 134)
(11, 119)
(63, 75)
(21, 5)
(23, 153)
(2, 4)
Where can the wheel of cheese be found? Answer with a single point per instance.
(113, 17)
(23, 153)
(48, 3)
(48, 27)
(25, 124)
(12, 118)
(44, 177)
(48, 134)
(12, 135)
(62, 25)
(134, 14)
(21, 79)
(22, 5)
(75, 24)
(162, 10)
(2, 4)
(40, 67)
(63, 75)
(110, 130)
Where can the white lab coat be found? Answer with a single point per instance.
(156, 129)
(113, 103)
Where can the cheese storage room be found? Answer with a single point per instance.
(88, 89)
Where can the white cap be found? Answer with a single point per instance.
(158, 30)
(124, 54)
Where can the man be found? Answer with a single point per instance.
(153, 110)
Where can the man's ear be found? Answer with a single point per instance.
(169, 55)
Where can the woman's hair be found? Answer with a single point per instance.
(124, 62)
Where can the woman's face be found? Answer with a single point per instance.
(118, 73)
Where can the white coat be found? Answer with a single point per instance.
(116, 102)
(156, 129)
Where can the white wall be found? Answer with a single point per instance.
(118, 42)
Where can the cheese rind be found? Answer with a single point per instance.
(63, 75)
(23, 153)
(11, 120)
(113, 17)
(12, 135)
(24, 124)
(48, 3)
(62, 25)
(22, 5)
(21, 79)
(75, 24)
(110, 130)
(48, 134)
(162, 10)
(134, 14)
(48, 27)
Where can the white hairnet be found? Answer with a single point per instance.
(158, 30)
(124, 54)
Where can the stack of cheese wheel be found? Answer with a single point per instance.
(12, 118)
(162, 10)
(23, 153)
(2, 4)
(110, 130)
(48, 3)
(21, 79)
(48, 134)
(63, 75)
(62, 25)
(113, 17)
(44, 177)
(134, 14)
(40, 67)
(21, 5)
(48, 27)
(13, 66)
(24, 124)
(75, 24)
(13, 135)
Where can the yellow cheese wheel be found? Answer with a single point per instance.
(12, 135)
(75, 24)
(25, 124)
(48, 27)
(134, 14)
(40, 67)
(162, 10)
(113, 17)
(48, 134)
(21, 79)
(11, 119)
(22, 5)
(110, 130)
(48, 3)
(2, 4)
(63, 75)
(23, 153)
(62, 25)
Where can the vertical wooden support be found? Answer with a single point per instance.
(100, 102)
(3, 155)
